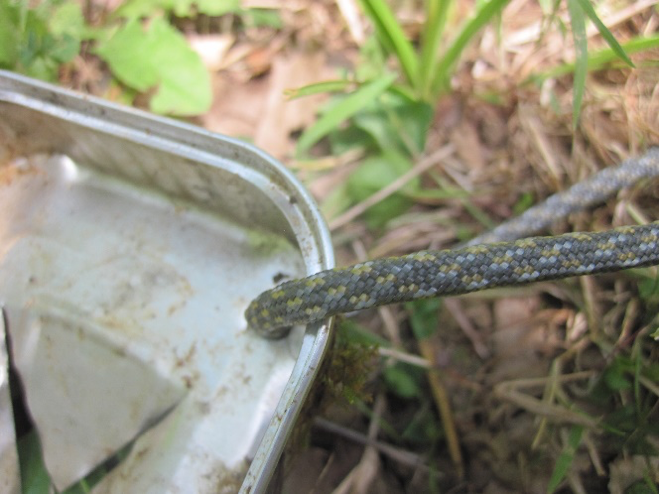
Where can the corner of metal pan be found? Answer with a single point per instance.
(191, 225)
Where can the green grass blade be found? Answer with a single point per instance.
(604, 31)
(566, 458)
(602, 58)
(442, 72)
(578, 23)
(343, 110)
(436, 12)
(392, 35)
(319, 87)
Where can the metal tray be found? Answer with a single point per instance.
(130, 246)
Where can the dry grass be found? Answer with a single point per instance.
(513, 367)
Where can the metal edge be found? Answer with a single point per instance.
(49, 99)
(288, 409)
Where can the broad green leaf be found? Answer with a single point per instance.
(443, 69)
(404, 380)
(67, 19)
(158, 55)
(9, 35)
(350, 138)
(68, 25)
(129, 54)
(604, 31)
(578, 23)
(208, 7)
(566, 458)
(65, 49)
(424, 317)
(356, 334)
(391, 33)
(336, 202)
(181, 8)
(343, 110)
(374, 174)
(133, 9)
(397, 123)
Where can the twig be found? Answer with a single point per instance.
(542, 409)
(362, 475)
(443, 404)
(350, 13)
(401, 456)
(408, 358)
(454, 307)
(422, 166)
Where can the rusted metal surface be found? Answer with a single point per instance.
(130, 246)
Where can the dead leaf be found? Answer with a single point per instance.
(212, 49)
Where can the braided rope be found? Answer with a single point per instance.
(476, 267)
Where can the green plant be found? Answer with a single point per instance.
(36, 41)
(156, 56)
(143, 50)
(384, 113)
(35, 478)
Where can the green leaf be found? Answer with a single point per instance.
(9, 35)
(423, 429)
(318, 88)
(143, 58)
(578, 23)
(525, 201)
(424, 317)
(374, 174)
(262, 17)
(356, 334)
(348, 139)
(336, 202)
(443, 70)
(65, 49)
(404, 380)
(615, 376)
(566, 458)
(34, 476)
(648, 289)
(642, 487)
(133, 9)
(129, 54)
(343, 110)
(397, 124)
(604, 31)
(602, 58)
(67, 19)
(436, 13)
(392, 36)
(372, 60)
(213, 8)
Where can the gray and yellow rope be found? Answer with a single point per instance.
(476, 267)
